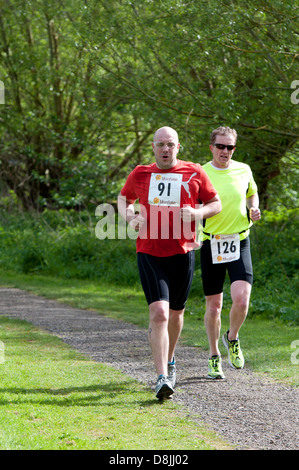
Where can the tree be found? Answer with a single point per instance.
(60, 109)
(200, 66)
(89, 82)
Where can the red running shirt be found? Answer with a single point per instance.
(161, 194)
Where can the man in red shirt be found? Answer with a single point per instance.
(173, 195)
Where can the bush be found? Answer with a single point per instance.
(274, 245)
(63, 244)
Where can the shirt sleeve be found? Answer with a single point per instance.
(128, 189)
(207, 190)
(252, 187)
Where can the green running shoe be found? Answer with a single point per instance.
(235, 355)
(215, 369)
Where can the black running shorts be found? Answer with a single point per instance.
(167, 278)
(213, 275)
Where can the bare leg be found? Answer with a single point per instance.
(165, 327)
(158, 334)
(240, 293)
(175, 325)
(213, 321)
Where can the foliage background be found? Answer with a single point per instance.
(63, 244)
(87, 84)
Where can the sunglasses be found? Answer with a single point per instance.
(222, 147)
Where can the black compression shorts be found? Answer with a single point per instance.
(167, 278)
(213, 275)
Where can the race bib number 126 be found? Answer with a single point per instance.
(225, 248)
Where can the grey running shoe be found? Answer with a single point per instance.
(172, 373)
(163, 388)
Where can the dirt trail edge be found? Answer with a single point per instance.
(247, 410)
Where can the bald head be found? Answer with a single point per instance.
(166, 132)
(166, 146)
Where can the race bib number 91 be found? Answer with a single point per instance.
(165, 189)
(225, 248)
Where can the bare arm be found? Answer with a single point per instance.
(127, 211)
(253, 206)
(210, 208)
(125, 208)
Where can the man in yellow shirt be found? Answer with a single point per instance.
(226, 247)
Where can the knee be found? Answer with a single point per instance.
(158, 314)
(240, 293)
(213, 309)
(241, 303)
(176, 317)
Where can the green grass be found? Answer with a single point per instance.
(266, 342)
(51, 397)
(63, 244)
(267, 345)
(54, 398)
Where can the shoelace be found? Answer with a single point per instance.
(161, 378)
(215, 362)
(235, 347)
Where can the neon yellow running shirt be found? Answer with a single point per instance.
(234, 185)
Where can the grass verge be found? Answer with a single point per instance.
(268, 343)
(54, 398)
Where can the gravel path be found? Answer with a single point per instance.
(247, 410)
